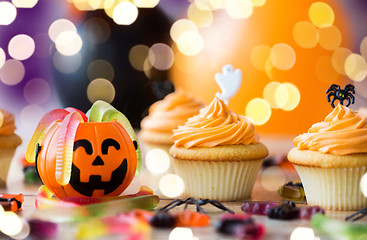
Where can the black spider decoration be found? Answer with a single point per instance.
(340, 94)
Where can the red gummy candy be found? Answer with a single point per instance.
(258, 208)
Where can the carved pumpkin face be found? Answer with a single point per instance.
(104, 160)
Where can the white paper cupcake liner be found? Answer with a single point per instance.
(6, 156)
(333, 188)
(218, 180)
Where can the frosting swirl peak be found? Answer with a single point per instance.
(215, 125)
(7, 125)
(170, 112)
(343, 132)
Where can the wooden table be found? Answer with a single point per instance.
(275, 229)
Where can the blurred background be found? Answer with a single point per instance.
(131, 53)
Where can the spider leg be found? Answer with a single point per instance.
(199, 203)
(220, 206)
(357, 215)
(329, 95)
(188, 201)
(332, 102)
(349, 87)
(174, 203)
(333, 87)
(351, 96)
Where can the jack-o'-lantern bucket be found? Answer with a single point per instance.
(77, 156)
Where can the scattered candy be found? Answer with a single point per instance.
(292, 191)
(43, 229)
(241, 226)
(163, 219)
(11, 202)
(285, 211)
(258, 208)
(189, 218)
(308, 212)
(337, 229)
(102, 209)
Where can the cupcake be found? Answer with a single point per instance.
(8, 144)
(331, 159)
(166, 115)
(218, 154)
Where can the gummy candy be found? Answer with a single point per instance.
(258, 208)
(284, 211)
(292, 191)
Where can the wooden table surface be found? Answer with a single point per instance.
(275, 229)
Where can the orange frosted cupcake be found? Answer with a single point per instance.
(9, 141)
(166, 115)
(331, 159)
(217, 153)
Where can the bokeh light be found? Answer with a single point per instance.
(302, 233)
(137, 56)
(12, 72)
(200, 13)
(96, 30)
(82, 5)
(272, 177)
(239, 9)
(157, 161)
(355, 67)
(171, 185)
(190, 43)
(258, 110)
(2, 57)
(305, 34)
(181, 26)
(181, 233)
(321, 14)
(8, 13)
(24, 3)
(281, 96)
(37, 91)
(282, 56)
(30, 116)
(146, 3)
(59, 26)
(258, 3)
(125, 13)
(363, 48)
(161, 56)
(363, 184)
(10, 223)
(338, 59)
(100, 69)
(67, 64)
(330, 38)
(259, 55)
(101, 89)
(21, 47)
(68, 43)
(269, 93)
(293, 97)
(95, 4)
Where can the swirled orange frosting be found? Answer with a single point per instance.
(215, 125)
(7, 125)
(343, 132)
(171, 112)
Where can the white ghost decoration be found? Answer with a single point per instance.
(229, 82)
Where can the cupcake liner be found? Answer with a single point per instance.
(6, 156)
(218, 180)
(333, 188)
